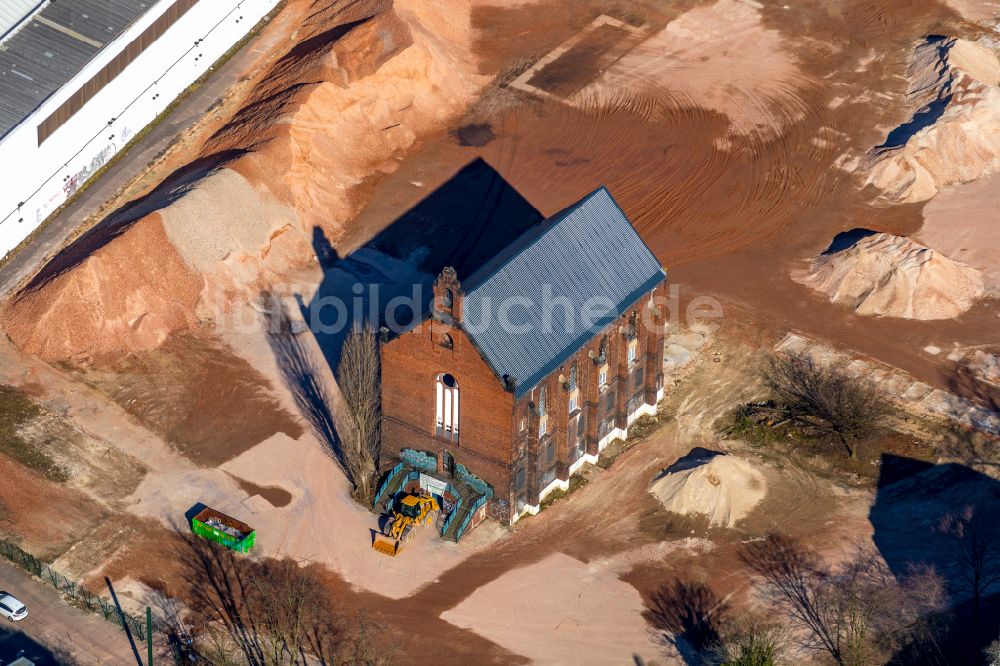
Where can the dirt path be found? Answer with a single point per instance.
(605, 526)
(89, 409)
(67, 635)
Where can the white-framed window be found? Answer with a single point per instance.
(633, 350)
(602, 377)
(543, 409)
(574, 398)
(446, 389)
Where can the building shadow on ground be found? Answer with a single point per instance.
(463, 223)
(912, 498)
(15, 643)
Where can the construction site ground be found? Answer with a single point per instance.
(532, 594)
(717, 126)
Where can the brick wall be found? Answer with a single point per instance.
(410, 366)
(498, 439)
(640, 379)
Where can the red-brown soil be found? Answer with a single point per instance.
(199, 396)
(358, 83)
(733, 188)
(45, 517)
(62, 321)
(730, 212)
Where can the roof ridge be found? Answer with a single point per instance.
(527, 239)
(595, 254)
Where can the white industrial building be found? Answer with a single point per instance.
(79, 78)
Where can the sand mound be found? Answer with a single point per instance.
(699, 58)
(954, 135)
(360, 83)
(891, 276)
(100, 309)
(963, 221)
(722, 487)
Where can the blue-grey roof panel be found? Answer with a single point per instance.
(556, 287)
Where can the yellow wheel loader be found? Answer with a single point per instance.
(405, 514)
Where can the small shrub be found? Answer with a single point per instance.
(749, 641)
(644, 426)
(576, 482)
(611, 452)
(825, 399)
(749, 423)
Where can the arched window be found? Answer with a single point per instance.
(633, 338)
(543, 412)
(602, 363)
(574, 390)
(447, 298)
(446, 389)
(445, 341)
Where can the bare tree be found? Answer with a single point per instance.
(285, 603)
(748, 640)
(360, 415)
(973, 549)
(825, 398)
(856, 614)
(267, 612)
(216, 646)
(794, 576)
(992, 653)
(360, 645)
(353, 438)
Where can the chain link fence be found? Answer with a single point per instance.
(76, 592)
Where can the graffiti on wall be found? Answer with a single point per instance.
(74, 181)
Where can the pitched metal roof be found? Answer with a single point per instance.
(587, 256)
(53, 46)
(12, 11)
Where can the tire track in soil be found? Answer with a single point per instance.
(694, 185)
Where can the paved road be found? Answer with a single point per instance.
(56, 633)
(52, 238)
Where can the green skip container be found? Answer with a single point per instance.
(226, 530)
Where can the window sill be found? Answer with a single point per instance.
(451, 438)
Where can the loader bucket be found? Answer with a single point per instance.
(386, 546)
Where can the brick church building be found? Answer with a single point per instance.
(527, 368)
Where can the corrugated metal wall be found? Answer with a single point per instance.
(12, 11)
(113, 68)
